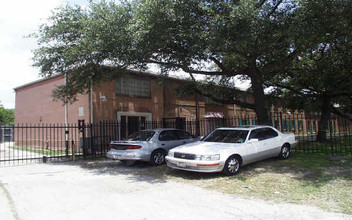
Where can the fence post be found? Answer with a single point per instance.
(73, 151)
(92, 147)
(66, 140)
(331, 140)
(82, 130)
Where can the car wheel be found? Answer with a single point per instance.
(158, 157)
(232, 166)
(285, 152)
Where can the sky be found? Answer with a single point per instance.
(19, 18)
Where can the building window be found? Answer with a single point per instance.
(300, 125)
(293, 125)
(133, 87)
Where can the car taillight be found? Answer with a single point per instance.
(134, 147)
(124, 147)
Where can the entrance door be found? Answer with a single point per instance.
(132, 124)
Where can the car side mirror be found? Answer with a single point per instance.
(254, 140)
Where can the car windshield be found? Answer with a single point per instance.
(141, 136)
(227, 136)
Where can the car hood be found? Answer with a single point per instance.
(203, 147)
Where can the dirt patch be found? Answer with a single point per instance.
(338, 171)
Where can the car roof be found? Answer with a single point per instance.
(161, 129)
(248, 127)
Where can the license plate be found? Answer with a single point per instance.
(117, 157)
(180, 164)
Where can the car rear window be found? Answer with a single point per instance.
(141, 136)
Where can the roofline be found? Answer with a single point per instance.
(134, 72)
(37, 81)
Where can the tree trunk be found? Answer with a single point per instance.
(259, 99)
(324, 120)
(197, 116)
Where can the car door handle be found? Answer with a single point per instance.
(162, 144)
(184, 142)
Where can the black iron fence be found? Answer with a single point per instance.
(23, 143)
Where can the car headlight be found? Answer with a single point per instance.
(208, 157)
(170, 154)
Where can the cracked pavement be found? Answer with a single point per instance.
(73, 190)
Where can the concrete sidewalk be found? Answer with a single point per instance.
(7, 211)
(109, 190)
(13, 155)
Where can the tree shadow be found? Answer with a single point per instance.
(297, 167)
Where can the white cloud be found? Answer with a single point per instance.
(17, 20)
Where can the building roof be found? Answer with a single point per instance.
(133, 72)
(37, 81)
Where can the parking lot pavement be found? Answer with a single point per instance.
(110, 191)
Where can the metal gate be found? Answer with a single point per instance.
(55, 142)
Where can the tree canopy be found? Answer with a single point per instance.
(255, 39)
(7, 116)
(320, 78)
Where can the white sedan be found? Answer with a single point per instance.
(227, 149)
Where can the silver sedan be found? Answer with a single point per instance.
(149, 145)
(227, 149)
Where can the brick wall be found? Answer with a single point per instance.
(35, 105)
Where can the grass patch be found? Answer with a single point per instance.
(314, 179)
(44, 152)
(338, 145)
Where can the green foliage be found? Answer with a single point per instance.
(321, 75)
(270, 42)
(238, 38)
(7, 116)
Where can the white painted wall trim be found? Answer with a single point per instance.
(147, 115)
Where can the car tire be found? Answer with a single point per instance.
(285, 152)
(232, 166)
(158, 157)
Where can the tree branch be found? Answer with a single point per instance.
(218, 63)
(228, 102)
(297, 91)
(275, 7)
(188, 70)
(261, 3)
(280, 64)
(340, 113)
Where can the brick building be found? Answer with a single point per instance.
(133, 99)
(138, 98)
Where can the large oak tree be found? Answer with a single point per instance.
(249, 38)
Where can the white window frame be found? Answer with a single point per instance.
(130, 85)
(147, 115)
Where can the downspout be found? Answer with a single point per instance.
(66, 106)
(66, 120)
(91, 104)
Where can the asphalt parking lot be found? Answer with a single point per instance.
(110, 190)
